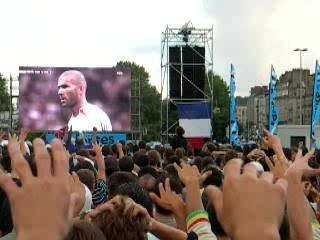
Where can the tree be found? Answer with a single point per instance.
(150, 101)
(4, 94)
(221, 100)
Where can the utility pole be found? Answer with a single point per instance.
(300, 86)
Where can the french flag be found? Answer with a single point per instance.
(195, 118)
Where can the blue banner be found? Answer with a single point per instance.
(194, 110)
(273, 109)
(103, 138)
(315, 117)
(233, 121)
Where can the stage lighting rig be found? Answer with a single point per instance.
(186, 31)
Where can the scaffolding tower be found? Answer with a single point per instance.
(187, 35)
(136, 129)
(14, 103)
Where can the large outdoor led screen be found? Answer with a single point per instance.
(51, 98)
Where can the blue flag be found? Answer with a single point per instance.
(315, 106)
(233, 124)
(273, 109)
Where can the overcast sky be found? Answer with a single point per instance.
(251, 34)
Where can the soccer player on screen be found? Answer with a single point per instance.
(72, 88)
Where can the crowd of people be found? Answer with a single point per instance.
(127, 191)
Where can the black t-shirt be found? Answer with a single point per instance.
(177, 142)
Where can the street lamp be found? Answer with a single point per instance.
(300, 94)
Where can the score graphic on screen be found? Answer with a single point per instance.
(82, 98)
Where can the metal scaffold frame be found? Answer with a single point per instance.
(187, 35)
(136, 128)
(14, 103)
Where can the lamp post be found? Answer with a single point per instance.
(300, 94)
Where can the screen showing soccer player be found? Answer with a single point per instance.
(80, 98)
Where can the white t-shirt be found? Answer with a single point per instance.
(90, 116)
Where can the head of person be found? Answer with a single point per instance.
(122, 225)
(141, 159)
(137, 193)
(126, 164)
(155, 159)
(179, 131)
(148, 182)
(230, 154)
(112, 165)
(215, 178)
(84, 230)
(197, 162)
(148, 170)
(135, 148)
(172, 172)
(207, 161)
(174, 159)
(175, 186)
(167, 153)
(82, 164)
(71, 88)
(117, 179)
(87, 177)
(129, 146)
(142, 145)
(211, 147)
(106, 151)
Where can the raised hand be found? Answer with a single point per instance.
(189, 173)
(248, 201)
(130, 207)
(171, 201)
(120, 150)
(256, 155)
(23, 134)
(272, 141)
(13, 138)
(300, 166)
(168, 199)
(99, 159)
(277, 167)
(97, 148)
(42, 206)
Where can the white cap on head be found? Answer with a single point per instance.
(258, 166)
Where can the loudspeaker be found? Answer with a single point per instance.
(193, 59)
(175, 72)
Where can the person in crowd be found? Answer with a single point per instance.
(40, 197)
(126, 164)
(84, 230)
(85, 116)
(179, 140)
(155, 159)
(142, 147)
